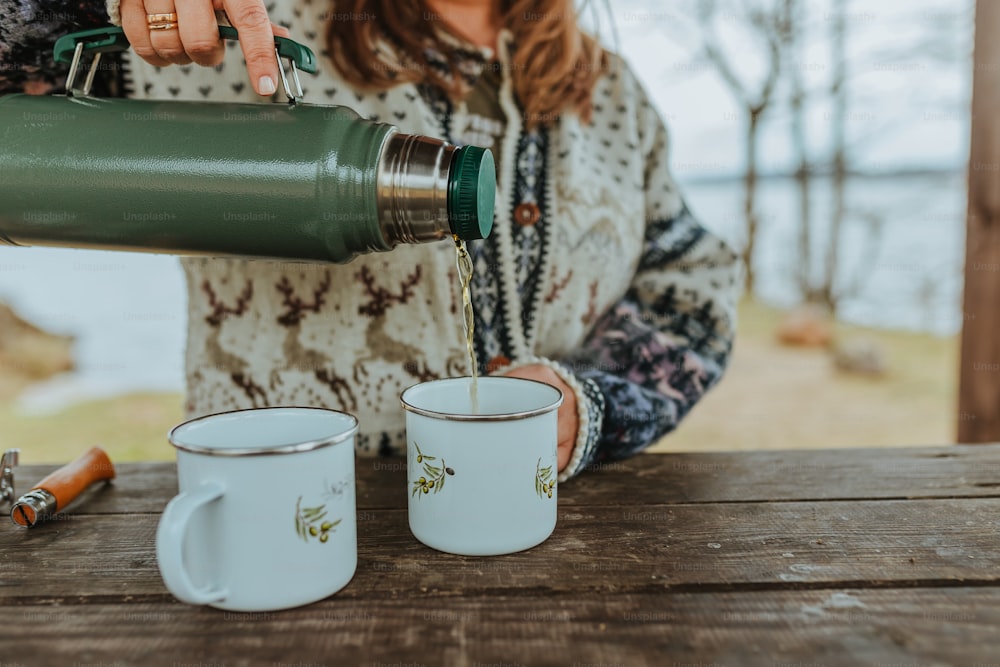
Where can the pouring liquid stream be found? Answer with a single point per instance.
(464, 263)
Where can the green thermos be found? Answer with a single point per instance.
(294, 181)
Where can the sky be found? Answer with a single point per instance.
(909, 108)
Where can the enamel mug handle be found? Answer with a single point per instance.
(170, 544)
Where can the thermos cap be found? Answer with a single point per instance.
(472, 190)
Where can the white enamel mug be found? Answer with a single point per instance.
(265, 518)
(482, 484)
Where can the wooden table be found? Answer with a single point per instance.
(849, 557)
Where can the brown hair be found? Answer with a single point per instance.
(554, 64)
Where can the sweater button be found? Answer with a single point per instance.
(527, 214)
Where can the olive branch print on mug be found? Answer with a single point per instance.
(309, 522)
(543, 480)
(434, 476)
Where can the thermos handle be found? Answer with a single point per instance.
(111, 39)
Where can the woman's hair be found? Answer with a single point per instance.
(553, 64)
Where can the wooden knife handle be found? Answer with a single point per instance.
(68, 482)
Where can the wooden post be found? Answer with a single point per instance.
(979, 383)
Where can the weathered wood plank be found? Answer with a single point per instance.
(833, 627)
(594, 550)
(958, 471)
(938, 472)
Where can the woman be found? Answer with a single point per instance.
(596, 278)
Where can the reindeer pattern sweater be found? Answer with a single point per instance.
(595, 267)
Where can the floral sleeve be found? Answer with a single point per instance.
(652, 356)
(28, 30)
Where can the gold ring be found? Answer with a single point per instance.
(152, 19)
(162, 26)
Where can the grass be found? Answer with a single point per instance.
(776, 397)
(129, 428)
(772, 397)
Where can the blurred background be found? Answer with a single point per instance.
(826, 140)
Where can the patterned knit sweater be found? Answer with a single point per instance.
(29, 28)
(595, 267)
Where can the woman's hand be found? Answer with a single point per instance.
(196, 35)
(569, 420)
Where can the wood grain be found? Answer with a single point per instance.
(595, 550)
(933, 472)
(835, 558)
(955, 626)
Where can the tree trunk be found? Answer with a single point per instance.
(750, 197)
(839, 132)
(979, 385)
(803, 170)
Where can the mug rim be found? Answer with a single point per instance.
(305, 446)
(501, 417)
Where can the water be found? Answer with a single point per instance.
(127, 310)
(914, 279)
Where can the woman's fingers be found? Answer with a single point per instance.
(195, 37)
(137, 30)
(563, 454)
(568, 422)
(164, 36)
(199, 32)
(250, 18)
